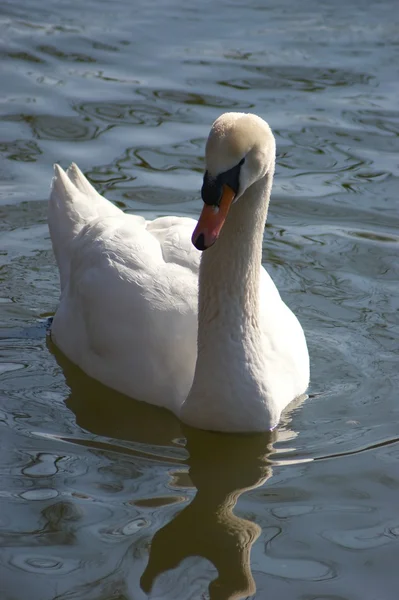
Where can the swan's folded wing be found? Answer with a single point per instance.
(127, 317)
(174, 236)
(73, 203)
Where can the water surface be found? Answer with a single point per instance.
(104, 498)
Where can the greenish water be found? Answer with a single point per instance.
(104, 498)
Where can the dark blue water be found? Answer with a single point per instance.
(104, 498)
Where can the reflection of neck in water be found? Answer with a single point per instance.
(222, 467)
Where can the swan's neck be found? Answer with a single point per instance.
(228, 389)
(230, 269)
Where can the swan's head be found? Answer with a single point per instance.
(240, 150)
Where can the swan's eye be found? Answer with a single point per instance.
(212, 187)
(211, 190)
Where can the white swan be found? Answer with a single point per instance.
(130, 290)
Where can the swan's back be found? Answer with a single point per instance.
(128, 306)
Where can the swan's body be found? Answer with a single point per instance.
(128, 312)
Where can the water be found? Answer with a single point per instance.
(103, 498)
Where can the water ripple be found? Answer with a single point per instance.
(103, 497)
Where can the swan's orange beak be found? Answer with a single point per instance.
(211, 220)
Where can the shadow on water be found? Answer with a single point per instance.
(221, 467)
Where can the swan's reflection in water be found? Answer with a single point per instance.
(221, 467)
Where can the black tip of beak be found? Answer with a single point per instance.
(199, 243)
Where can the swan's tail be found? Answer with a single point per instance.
(73, 203)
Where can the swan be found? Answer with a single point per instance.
(177, 313)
